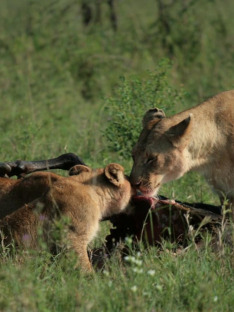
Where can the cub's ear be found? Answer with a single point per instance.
(115, 174)
(77, 169)
(154, 114)
(179, 134)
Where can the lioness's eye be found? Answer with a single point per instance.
(150, 160)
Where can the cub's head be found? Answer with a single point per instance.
(113, 185)
(160, 154)
(119, 187)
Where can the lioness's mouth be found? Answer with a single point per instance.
(148, 192)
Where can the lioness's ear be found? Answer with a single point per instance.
(115, 174)
(152, 114)
(77, 169)
(178, 134)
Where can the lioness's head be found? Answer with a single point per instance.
(159, 155)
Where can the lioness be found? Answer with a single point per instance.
(199, 139)
(84, 198)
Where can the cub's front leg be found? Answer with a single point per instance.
(80, 243)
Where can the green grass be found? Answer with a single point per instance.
(61, 84)
(148, 280)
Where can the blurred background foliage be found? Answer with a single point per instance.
(62, 63)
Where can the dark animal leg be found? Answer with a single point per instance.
(20, 167)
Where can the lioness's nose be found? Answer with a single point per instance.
(136, 182)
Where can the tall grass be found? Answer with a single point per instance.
(146, 280)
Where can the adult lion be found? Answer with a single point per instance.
(199, 139)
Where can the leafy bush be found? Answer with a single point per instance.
(132, 99)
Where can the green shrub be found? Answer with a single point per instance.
(132, 99)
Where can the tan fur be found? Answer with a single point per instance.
(15, 193)
(84, 198)
(199, 139)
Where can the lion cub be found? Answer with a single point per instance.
(84, 198)
(199, 139)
